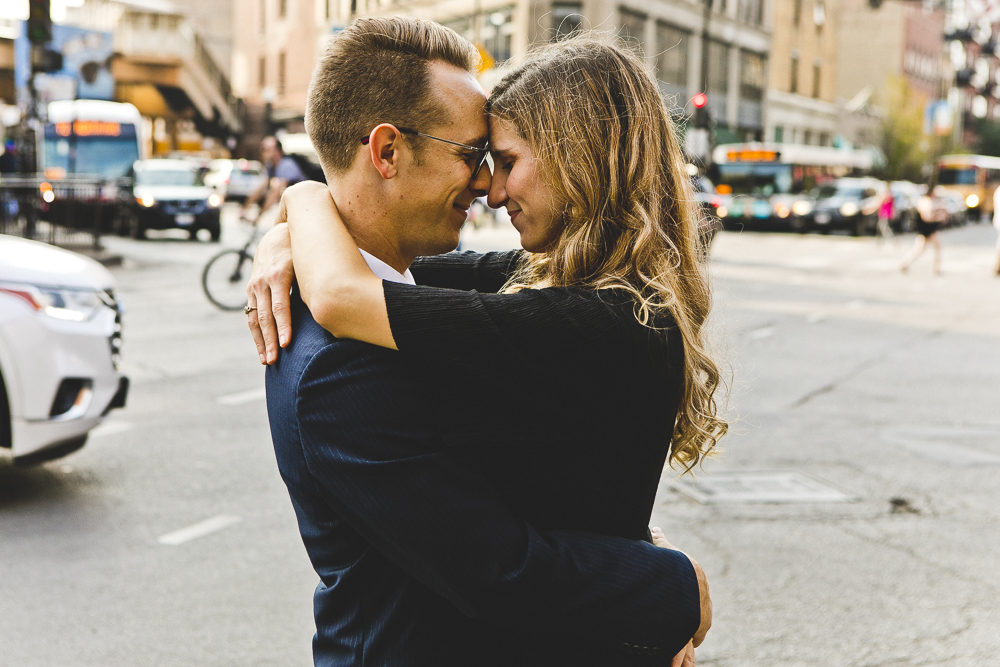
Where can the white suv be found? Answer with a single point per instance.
(60, 335)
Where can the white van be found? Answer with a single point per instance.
(60, 336)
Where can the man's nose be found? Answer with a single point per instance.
(480, 185)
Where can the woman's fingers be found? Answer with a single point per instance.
(258, 339)
(703, 591)
(265, 320)
(660, 540)
(685, 658)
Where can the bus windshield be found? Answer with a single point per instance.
(102, 156)
(760, 180)
(178, 177)
(965, 176)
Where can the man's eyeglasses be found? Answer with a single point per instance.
(477, 156)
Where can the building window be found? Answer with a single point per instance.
(824, 139)
(496, 30)
(797, 12)
(633, 26)
(566, 19)
(751, 76)
(750, 110)
(779, 134)
(281, 74)
(262, 72)
(672, 63)
(807, 137)
(751, 12)
(282, 8)
(793, 85)
(717, 79)
(261, 16)
(816, 80)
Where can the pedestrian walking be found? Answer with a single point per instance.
(931, 215)
(886, 210)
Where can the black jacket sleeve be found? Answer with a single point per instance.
(373, 443)
(542, 332)
(467, 270)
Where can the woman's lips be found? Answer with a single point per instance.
(513, 215)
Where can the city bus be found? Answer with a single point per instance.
(767, 185)
(974, 177)
(86, 149)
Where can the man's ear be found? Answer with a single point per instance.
(384, 145)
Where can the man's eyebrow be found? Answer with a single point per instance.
(479, 142)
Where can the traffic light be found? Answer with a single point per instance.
(700, 103)
(39, 22)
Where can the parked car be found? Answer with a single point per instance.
(172, 194)
(848, 203)
(955, 204)
(235, 179)
(60, 336)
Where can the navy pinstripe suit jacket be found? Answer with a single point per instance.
(419, 561)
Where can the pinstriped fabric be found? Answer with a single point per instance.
(420, 559)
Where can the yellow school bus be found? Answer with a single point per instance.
(975, 177)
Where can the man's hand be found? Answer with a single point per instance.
(686, 657)
(270, 283)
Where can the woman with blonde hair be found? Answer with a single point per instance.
(593, 338)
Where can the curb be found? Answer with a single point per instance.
(108, 259)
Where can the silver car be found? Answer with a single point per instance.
(60, 336)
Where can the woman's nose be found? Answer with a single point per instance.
(497, 196)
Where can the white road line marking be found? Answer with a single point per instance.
(242, 397)
(110, 428)
(200, 529)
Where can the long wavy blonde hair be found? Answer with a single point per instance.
(606, 146)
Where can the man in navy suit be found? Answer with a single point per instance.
(420, 562)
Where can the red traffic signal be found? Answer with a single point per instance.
(699, 100)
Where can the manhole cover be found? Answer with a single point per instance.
(760, 486)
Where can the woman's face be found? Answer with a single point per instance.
(517, 186)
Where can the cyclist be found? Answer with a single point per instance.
(282, 171)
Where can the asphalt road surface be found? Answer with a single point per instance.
(867, 400)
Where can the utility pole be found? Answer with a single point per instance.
(697, 140)
(701, 114)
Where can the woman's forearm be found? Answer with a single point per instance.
(342, 293)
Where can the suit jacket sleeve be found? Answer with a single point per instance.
(372, 442)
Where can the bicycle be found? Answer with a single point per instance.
(224, 278)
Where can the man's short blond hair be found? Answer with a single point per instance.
(377, 71)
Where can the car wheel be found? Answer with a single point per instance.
(215, 228)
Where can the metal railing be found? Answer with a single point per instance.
(72, 211)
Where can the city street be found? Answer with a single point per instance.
(170, 539)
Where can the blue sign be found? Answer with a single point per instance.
(86, 61)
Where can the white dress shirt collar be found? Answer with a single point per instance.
(386, 272)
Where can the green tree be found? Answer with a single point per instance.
(904, 144)
(987, 137)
